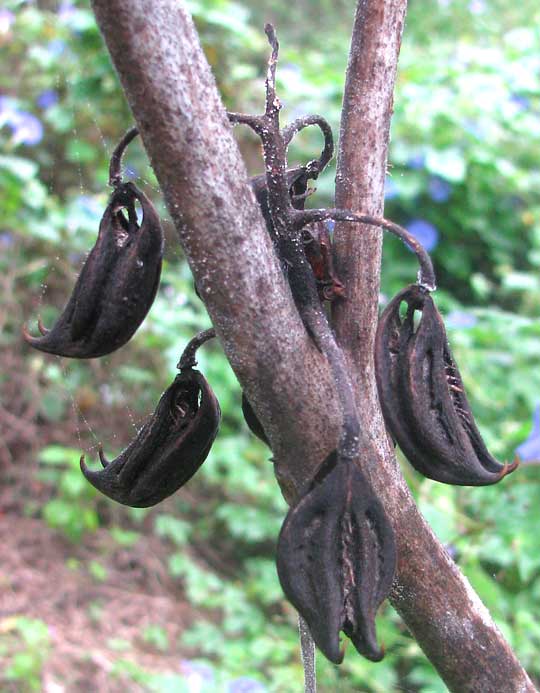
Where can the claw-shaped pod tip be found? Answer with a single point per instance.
(169, 448)
(41, 327)
(336, 558)
(104, 461)
(116, 286)
(423, 398)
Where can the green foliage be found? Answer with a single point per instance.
(463, 157)
(24, 647)
(73, 507)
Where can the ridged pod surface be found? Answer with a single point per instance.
(169, 449)
(423, 399)
(116, 286)
(336, 558)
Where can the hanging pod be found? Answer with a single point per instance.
(118, 282)
(423, 399)
(336, 558)
(170, 447)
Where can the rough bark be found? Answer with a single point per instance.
(434, 599)
(170, 89)
(173, 96)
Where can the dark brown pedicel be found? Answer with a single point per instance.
(336, 558)
(423, 399)
(117, 284)
(169, 448)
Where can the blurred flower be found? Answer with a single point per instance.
(416, 161)
(529, 451)
(56, 47)
(198, 676)
(330, 225)
(66, 10)
(26, 128)
(6, 239)
(522, 103)
(47, 98)
(390, 189)
(6, 20)
(424, 232)
(245, 685)
(439, 189)
(460, 319)
(477, 6)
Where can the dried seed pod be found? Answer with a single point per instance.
(423, 399)
(336, 558)
(116, 286)
(169, 448)
(252, 421)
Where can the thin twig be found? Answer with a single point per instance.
(426, 275)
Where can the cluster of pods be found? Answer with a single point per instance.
(336, 552)
(113, 293)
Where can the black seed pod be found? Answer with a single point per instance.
(423, 399)
(116, 286)
(336, 558)
(169, 449)
(252, 421)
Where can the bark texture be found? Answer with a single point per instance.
(435, 600)
(173, 96)
(168, 83)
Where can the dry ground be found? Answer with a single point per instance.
(43, 576)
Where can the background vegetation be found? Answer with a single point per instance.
(463, 175)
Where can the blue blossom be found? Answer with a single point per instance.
(417, 161)
(25, 127)
(460, 319)
(330, 225)
(197, 676)
(47, 98)
(6, 20)
(245, 685)
(522, 103)
(424, 232)
(66, 10)
(439, 189)
(477, 6)
(529, 451)
(56, 47)
(6, 239)
(390, 189)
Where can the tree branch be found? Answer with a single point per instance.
(436, 602)
(184, 128)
